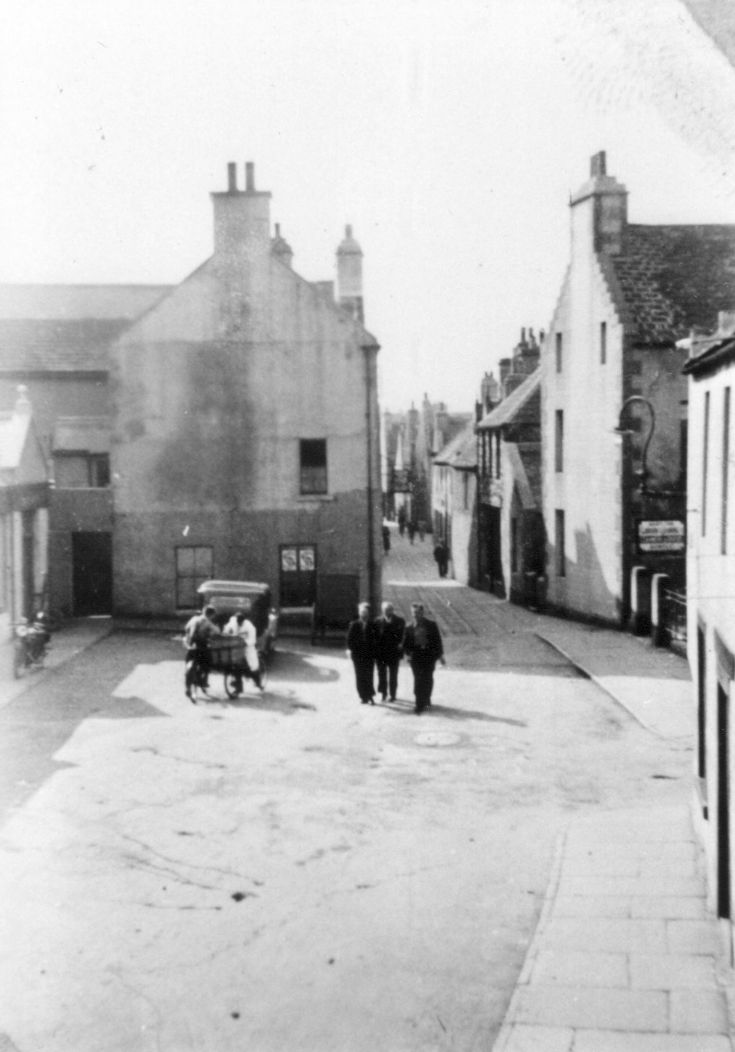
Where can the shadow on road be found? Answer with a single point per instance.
(268, 701)
(473, 714)
(444, 711)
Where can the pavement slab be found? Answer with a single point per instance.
(593, 955)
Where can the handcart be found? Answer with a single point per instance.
(227, 655)
(252, 597)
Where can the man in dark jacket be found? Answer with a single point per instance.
(389, 629)
(441, 557)
(361, 648)
(198, 631)
(422, 645)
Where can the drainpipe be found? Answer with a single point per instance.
(370, 351)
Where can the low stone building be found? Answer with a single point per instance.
(454, 492)
(511, 536)
(55, 339)
(245, 440)
(509, 527)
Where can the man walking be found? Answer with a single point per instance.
(422, 645)
(361, 649)
(441, 557)
(389, 629)
(198, 631)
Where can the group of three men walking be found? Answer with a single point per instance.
(383, 642)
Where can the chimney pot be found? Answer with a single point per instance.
(598, 164)
(348, 230)
(231, 178)
(249, 177)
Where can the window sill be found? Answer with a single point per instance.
(315, 498)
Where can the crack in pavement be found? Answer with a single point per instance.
(225, 872)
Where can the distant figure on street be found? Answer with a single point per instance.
(411, 530)
(198, 631)
(386, 537)
(401, 520)
(441, 556)
(361, 649)
(422, 529)
(422, 645)
(389, 629)
(241, 626)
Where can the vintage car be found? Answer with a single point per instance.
(252, 597)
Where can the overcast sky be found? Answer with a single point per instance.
(450, 133)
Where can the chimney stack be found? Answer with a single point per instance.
(242, 250)
(607, 201)
(349, 276)
(241, 219)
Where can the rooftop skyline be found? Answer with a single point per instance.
(449, 135)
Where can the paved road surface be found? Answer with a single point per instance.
(296, 871)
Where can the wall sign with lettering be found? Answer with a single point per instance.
(661, 535)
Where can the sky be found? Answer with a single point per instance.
(449, 133)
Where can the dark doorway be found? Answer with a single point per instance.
(723, 804)
(28, 565)
(92, 573)
(495, 560)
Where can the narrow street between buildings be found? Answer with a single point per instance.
(295, 871)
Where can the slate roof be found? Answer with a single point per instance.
(58, 302)
(711, 354)
(56, 346)
(460, 451)
(674, 278)
(88, 434)
(506, 411)
(66, 328)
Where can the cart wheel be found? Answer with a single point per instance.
(232, 687)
